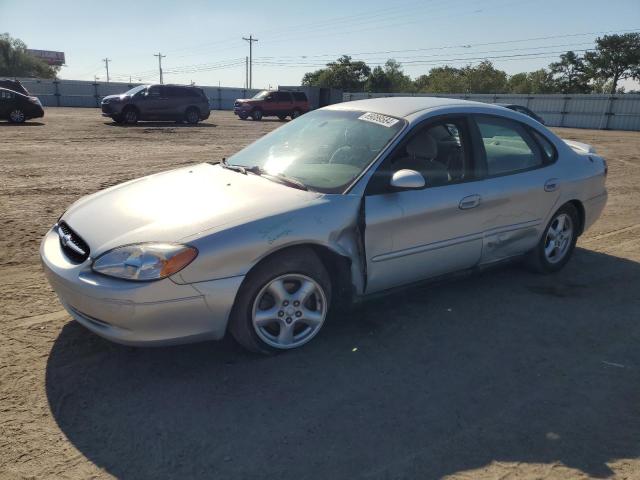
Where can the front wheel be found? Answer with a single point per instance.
(557, 243)
(130, 116)
(243, 115)
(283, 303)
(192, 116)
(256, 114)
(17, 116)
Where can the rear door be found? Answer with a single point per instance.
(521, 185)
(7, 100)
(285, 102)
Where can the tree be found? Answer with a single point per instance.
(570, 74)
(15, 61)
(484, 78)
(344, 73)
(616, 57)
(540, 81)
(391, 78)
(441, 80)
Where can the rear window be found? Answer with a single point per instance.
(300, 96)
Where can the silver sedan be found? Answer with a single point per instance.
(346, 201)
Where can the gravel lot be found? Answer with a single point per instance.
(500, 375)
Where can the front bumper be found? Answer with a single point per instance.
(138, 313)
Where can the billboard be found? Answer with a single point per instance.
(52, 58)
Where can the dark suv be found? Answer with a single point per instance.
(157, 102)
(281, 104)
(16, 107)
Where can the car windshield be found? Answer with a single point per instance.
(135, 90)
(325, 149)
(260, 95)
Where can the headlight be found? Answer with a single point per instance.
(145, 261)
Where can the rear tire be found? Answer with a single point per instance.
(130, 116)
(266, 322)
(557, 243)
(282, 117)
(17, 115)
(192, 116)
(256, 115)
(295, 114)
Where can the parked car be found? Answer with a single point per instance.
(14, 85)
(157, 102)
(281, 104)
(17, 108)
(524, 110)
(349, 200)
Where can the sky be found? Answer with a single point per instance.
(202, 40)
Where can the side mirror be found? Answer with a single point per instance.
(407, 179)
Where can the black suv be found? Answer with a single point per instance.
(157, 102)
(16, 107)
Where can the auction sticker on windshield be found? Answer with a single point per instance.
(379, 119)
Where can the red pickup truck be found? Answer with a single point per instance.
(281, 104)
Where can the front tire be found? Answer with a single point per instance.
(283, 302)
(17, 116)
(130, 116)
(243, 115)
(192, 116)
(256, 114)
(557, 243)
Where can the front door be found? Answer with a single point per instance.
(156, 104)
(412, 235)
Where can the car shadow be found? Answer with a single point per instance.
(24, 124)
(505, 366)
(161, 124)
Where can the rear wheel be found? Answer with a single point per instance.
(282, 117)
(283, 303)
(256, 114)
(17, 116)
(130, 116)
(557, 243)
(192, 116)
(295, 114)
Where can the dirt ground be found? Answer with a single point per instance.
(501, 375)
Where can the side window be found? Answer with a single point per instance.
(300, 96)
(283, 96)
(547, 147)
(508, 146)
(174, 92)
(437, 152)
(6, 94)
(154, 92)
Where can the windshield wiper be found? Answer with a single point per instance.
(290, 181)
(235, 168)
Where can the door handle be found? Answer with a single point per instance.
(471, 201)
(551, 185)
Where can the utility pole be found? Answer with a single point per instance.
(246, 72)
(106, 64)
(250, 40)
(160, 57)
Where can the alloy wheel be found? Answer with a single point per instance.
(559, 238)
(289, 311)
(17, 116)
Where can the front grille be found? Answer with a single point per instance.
(73, 246)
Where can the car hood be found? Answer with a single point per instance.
(169, 206)
(114, 97)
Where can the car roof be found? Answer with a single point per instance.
(403, 106)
